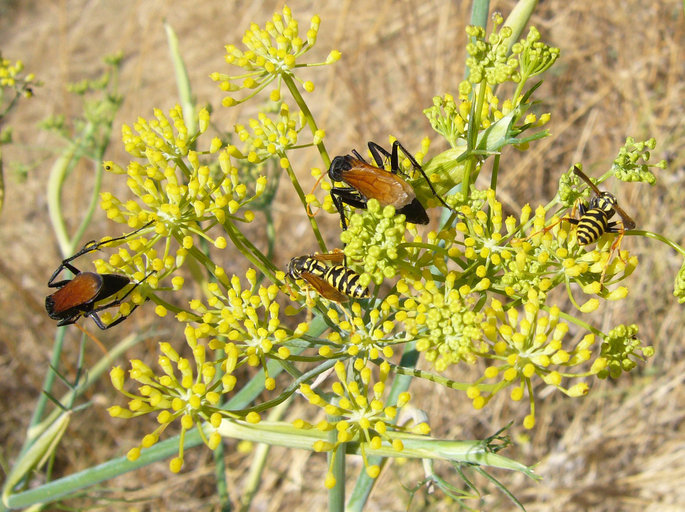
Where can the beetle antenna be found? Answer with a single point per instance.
(93, 338)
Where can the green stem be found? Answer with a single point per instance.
(413, 372)
(11, 104)
(253, 254)
(518, 19)
(182, 80)
(472, 138)
(219, 453)
(218, 456)
(294, 386)
(364, 485)
(658, 237)
(576, 321)
(261, 455)
(303, 200)
(97, 185)
(167, 305)
(311, 122)
(292, 87)
(495, 173)
(337, 465)
(47, 386)
(58, 174)
(93, 375)
(68, 485)
(479, 18)
(2, 183)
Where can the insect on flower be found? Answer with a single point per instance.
(594, 218)
(78, 296)
(333, 282)
(374, 182)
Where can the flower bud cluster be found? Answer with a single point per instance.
(358, 413)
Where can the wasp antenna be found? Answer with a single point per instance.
(583, 176)
(309, 210)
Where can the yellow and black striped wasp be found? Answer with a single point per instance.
(374, 182)
(594, 218)
(333, 282)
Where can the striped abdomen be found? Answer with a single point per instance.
(337, 283)
(592, 225)
(346, 281)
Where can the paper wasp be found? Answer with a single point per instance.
(594, 218)
(78, 296)
(374, 182)
(333, 282)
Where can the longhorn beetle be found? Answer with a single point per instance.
(78, 296)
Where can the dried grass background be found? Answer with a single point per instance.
(621, 73)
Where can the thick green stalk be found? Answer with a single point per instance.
(182, 81)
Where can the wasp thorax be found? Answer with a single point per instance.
(606, 202)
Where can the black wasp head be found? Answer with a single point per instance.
(295, 266)
(339, 165)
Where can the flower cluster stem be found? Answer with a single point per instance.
(292, 87)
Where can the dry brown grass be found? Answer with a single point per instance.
(621, 73)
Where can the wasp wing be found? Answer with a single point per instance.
(375, 183)
(323, 288)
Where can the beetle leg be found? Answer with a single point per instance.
(93, 313)
(98, 321)
(68, 321)
(63, 265)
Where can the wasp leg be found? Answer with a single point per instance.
(615, 246)
(66, 264)
(336, 256)
(376, 152)
(395, 164)
(60, 284)
(68, 321)
(98, 321)
(359, 157)
(349, 196)
(309, 210)
(571, 220)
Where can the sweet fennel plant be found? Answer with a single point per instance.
(477, 291)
